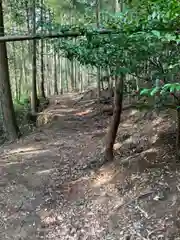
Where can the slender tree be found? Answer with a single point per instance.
(98, 69)
(42, 90)
(55, 74)
(34, 87)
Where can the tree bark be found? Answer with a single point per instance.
(178, 134)
(9, 119)
(15, 70)
(112, 132)
(34, 87)
(55, 74)
(60, 73)
(98, 69)
(72, 75)
(42, 90)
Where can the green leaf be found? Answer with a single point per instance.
(145, 92)
(173, 87)
(170, 37)
(166, 87)
(154, 91)
(156, 33)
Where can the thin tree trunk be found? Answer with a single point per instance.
(72, 75)
(112, 132)
(42, 90)
(55, 74)
(34, 87)
(81, 79)
(20, 82)
(9, 119)
(66, 73)
(15, 70)
(178, 134)
(75, 75)
(24, 68)
(60, 73)
(98, 69)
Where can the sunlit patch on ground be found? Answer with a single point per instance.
(46, 193)
(84, 112)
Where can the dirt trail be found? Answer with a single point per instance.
(51, 187)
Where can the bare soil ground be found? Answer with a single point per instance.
(51, 186)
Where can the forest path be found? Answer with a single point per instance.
(51, 188)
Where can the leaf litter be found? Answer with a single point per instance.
(53, 188)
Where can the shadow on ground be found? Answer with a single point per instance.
(48, 190)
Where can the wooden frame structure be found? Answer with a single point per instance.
(67, 34)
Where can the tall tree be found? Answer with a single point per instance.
(55, 74)
(34, 87)
(9, 118)
(42, 54)
(98, 69)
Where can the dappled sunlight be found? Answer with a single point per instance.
(133, 112)
(59, 110)
(54, 112)
(128, 124)
(157, 121)
(83, 112)
(24, 150)
(49, 220)
(45, 172)
(35, 152)
(30, 151)
(12, 163)
(154, 138)
(58, 115)
(104, 177)
(117, 146)
(151, 150)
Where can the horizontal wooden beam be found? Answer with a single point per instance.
(17, 38)
(68, 34)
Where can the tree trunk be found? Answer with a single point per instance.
(24, 70)
(15, 70)
(66, 74)
(55, 74)
(60, 73)
(42, 90)
(72, 75)
(81, 79)
(9, 119)
(34, 87)
(178, 134)
(98, 69)
(112, 132)
(116, 6)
